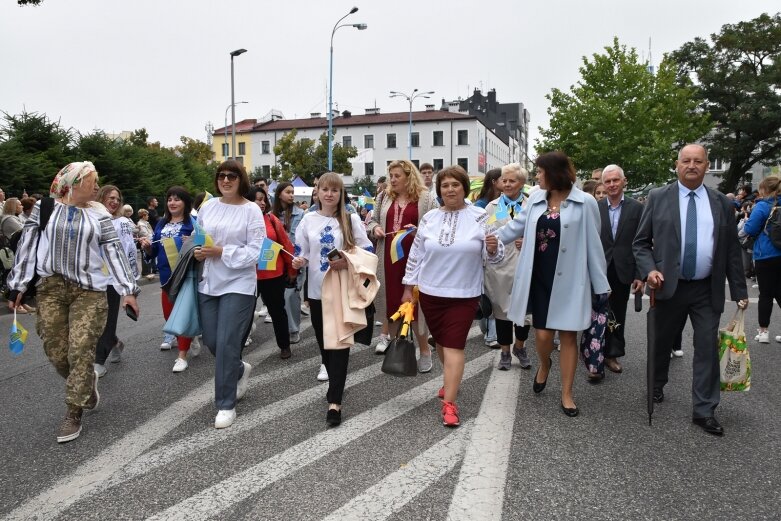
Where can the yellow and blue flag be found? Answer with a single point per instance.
(18, 337)
(269, 255)
(206, 197)
(396, 249)
(200, 237)
(171, 247)
(502, 212)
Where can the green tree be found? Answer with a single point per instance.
(364, 183)
(620, 112)
(739, 84)
(307, 158)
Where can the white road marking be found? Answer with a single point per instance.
(221, 496)
(483, 475)
(394, 492)
(92, 475)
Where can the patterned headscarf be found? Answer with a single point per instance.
(67, 177)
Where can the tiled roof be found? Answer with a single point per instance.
(245, 125)
(341, 121)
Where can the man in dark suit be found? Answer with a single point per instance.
(620, 218)
(686, 246)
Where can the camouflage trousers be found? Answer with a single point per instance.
(70, 321)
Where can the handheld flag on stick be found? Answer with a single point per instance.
(501, 212)
(269, 254)
(171, 247)
(200, 237)
(18, 336)
(396, 250)
(205, 198)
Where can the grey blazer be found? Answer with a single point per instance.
(619, 250)
(657, 245)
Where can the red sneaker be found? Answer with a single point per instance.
(441, 393)
(450, 414)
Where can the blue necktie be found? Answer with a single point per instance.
(690, 241)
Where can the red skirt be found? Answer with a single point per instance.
(449, 319)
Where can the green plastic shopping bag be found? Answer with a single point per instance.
(734, 359)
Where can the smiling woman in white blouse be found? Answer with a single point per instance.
(226, 291)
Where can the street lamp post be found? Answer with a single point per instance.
(410, 98)
(360, 27)
(226, 121)
(233, 104)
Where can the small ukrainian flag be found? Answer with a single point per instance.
(269, 254)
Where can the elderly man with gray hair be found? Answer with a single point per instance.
(620, 217)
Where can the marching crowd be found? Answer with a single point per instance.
(540, 258)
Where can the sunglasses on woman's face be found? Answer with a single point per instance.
(230, 176)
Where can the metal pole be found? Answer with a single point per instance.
(226, 128)
(410, 129)
(330, 104)
(233, 117)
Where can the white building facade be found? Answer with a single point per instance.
(439, 137)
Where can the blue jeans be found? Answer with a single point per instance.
(224, 319)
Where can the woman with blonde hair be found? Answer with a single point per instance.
(394, 213)
(330, 227)
(109, 347)
(68, 255)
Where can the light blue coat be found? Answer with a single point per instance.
(580, 268)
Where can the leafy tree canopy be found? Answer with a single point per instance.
(307, 158)
(738, 77)
(620, 112)
(33, 149)
(364, 183)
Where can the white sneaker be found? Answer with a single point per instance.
(267, 320)
(115, 356)
(778, 338)
(224, 419)
(195, 347)
(262, 312)
(382, 344)
(763, 337)
(100, 370)
(165, 346)
(248, 341)
(322, 375)
(241, 388)
(677, 353)
(304, 309)
(180, 365)
(295, 337)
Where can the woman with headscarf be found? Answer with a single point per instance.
(76, 257)
(109, 347)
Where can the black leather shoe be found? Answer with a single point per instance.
(570, 412)
(334, 417)
(539, 387)
(658, 396)
(710, 425)
(595, 378)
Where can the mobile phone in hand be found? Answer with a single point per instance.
(334, 255)
(131, 313)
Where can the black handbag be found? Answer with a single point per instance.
(365, 335)
(485, 309)
(400, 357)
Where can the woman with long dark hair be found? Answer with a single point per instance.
(288, 212)
(175, 224)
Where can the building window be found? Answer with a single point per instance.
(390, 140)
(265, 148)
(717, 165)
(439, 138)
(225, 149)
(368, 169)
(416, 162)
(439, 164)
(463, 137)
(463, 163)
(266, 170)
(415, 138)
(387, 163)
(242, 148)
(347, 141)
(240, 159)
(368, 141)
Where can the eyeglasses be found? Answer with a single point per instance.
(230, 176)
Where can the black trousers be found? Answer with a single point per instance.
(108, 339)
(615, 343)
(504, 332)
(335, 360)
(769, 281)
(272, 293)
(692, 300)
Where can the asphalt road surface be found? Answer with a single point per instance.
(150, 450)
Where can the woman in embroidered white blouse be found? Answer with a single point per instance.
(226, 291)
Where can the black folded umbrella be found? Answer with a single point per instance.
(649, 364)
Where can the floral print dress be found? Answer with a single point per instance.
(546, 255)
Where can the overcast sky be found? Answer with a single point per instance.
(164, 65)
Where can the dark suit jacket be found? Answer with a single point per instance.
(657, 245)
(619, 250)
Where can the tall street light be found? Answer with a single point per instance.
(360, 27)
(226, 120)
(410, 97)
(233, 104)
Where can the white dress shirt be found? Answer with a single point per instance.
(705, 230)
